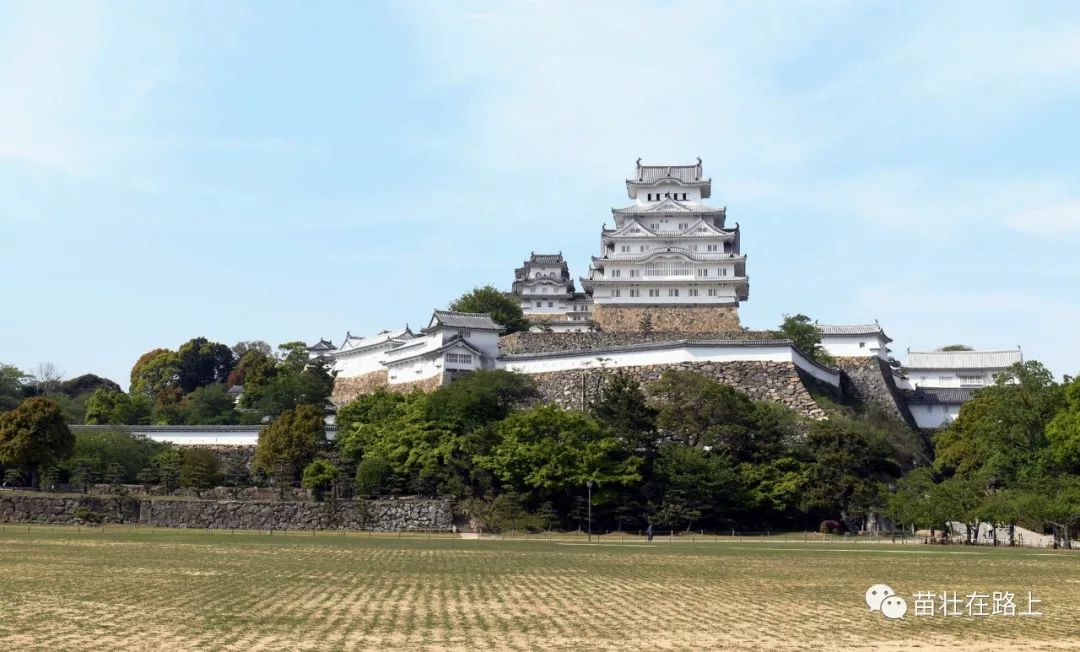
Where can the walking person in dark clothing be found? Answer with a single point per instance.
(648, 533)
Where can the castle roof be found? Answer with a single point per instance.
(545, 259)
(668, 206)
(353, 343)
(321, 346)
(472, 320)
(939, 395)
(962, 359)
(852, 329)
(648, 175)
(453, 342)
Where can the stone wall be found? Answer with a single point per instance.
(347, 389)
(870, 380)
(378, 515)
(779, 382)
(553, 342)
(686, 318)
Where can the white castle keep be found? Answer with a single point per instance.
(664, 290)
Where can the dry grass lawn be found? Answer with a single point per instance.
(134, 589)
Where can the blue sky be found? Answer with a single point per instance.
(290, 171)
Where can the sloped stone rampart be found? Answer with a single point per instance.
(870, 380)
(779, 382)
(557, 342)
(347, 389)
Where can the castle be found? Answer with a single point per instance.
(663, 293)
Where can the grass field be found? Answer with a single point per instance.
(121, 588)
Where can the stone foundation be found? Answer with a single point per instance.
(347, 389)
(686, 318)
(559, 342)
(378, 515)
(870, 380)
(779, 382)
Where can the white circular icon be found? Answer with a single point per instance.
(876, 593)
(893, 607)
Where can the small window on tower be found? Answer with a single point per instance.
(650, 196)
(684, 196)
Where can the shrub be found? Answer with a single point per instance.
(318, 477)
(373, 476)
(88, 515)
(200, 468)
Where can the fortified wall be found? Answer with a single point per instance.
(686, 318)
(870, 380)
(376, 515)
(780, 382)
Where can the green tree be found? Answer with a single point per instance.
(86, 384)
(550, 449)
(546, 515)
(291, 442)
(1063, 432)
(107, 407)
(200, 468)
(130, 451)
(956, 347)
(209, 405)
(503, 308)
(374, 476)
(849, 467)
(168, 466)
(256, 372)
(297, 380)
(319, 476)
(13, 477)
(156, 375)
(698, 411)
(479, 398)
(202, 362)
(1001, 434)
(12, 387)
(696, 484)
(961, 499)
(622, 408)
(805, 335)
(33, 435)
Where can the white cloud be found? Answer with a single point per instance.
(1054, 220)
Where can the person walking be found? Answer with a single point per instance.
(648, 533)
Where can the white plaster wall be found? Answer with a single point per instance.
(587, 360)
(847, 346)
(413, 370)
(692, 194)
(934, 416)
(951, 377)
(362, 362)
(725, 293)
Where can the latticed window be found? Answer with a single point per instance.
(672, 268)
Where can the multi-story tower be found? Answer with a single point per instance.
(546, 293)
(670, 262)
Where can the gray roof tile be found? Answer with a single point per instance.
(962, 359)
